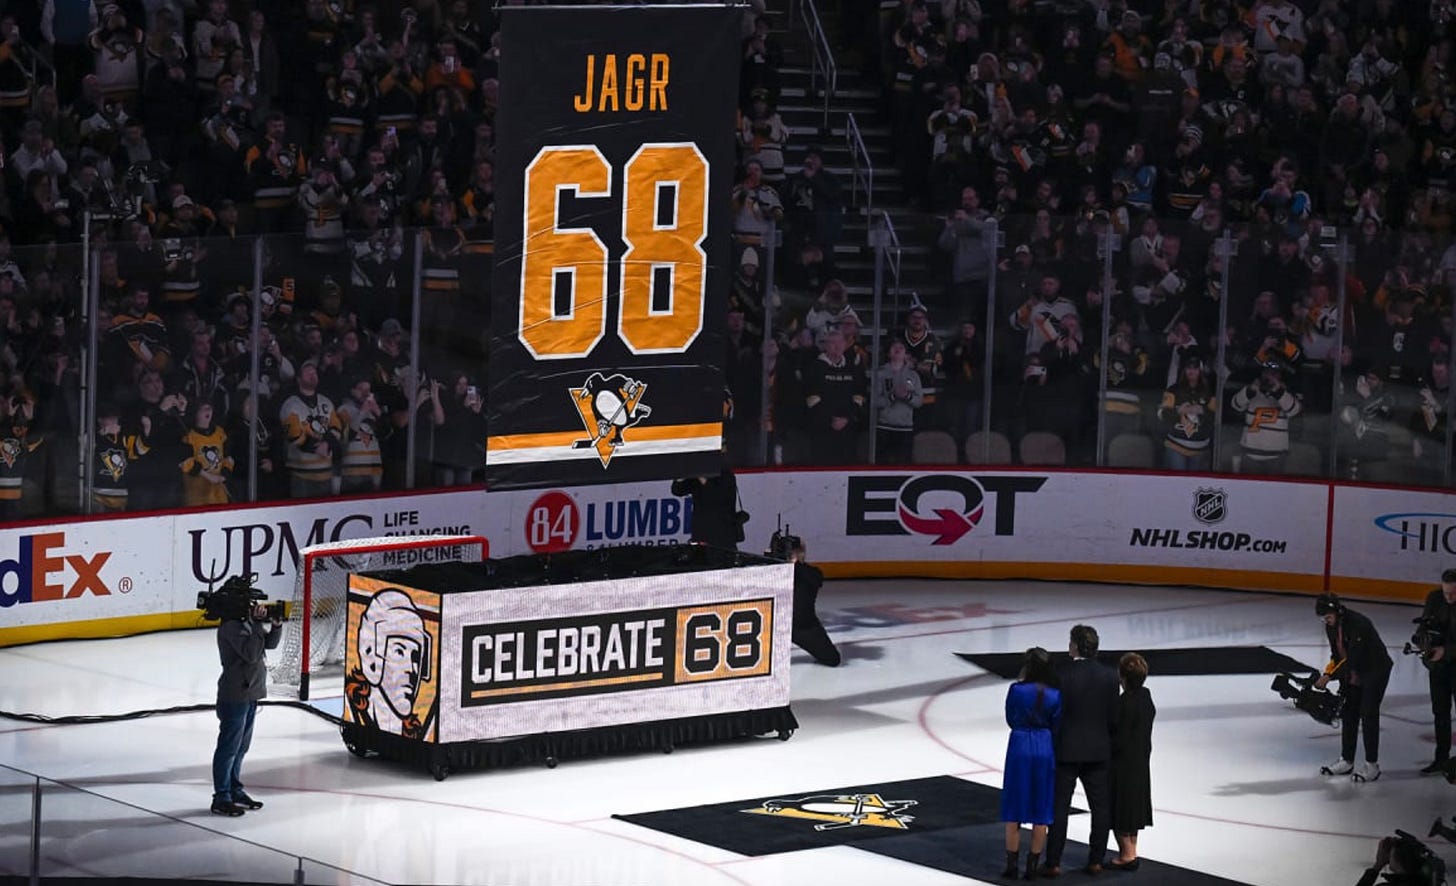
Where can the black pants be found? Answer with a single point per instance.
(1442, 689)
(1362, 709)
(1094, 782)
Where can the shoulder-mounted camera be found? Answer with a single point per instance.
(1321, 704)
(237, 600)
(783, 544)
(1426, 638)
(1417, 859)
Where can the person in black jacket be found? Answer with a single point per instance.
(835, 395)
(715, 509)
(243, 683)
(1405, 862)
(1359, 661)
(1132, 750)
(808, 631)
(1083, 747)
(1441, 659)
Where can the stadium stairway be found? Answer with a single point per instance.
(801, 106)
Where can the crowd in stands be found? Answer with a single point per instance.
(1294, 125)
(174, 131)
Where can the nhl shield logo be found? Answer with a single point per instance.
(1209, 505)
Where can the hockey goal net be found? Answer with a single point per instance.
(313, 639)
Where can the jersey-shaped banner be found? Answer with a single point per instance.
(614, 172)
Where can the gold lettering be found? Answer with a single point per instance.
(609, 84)
(583, 102)
(636, 85)
(657, 99)
(641, 85)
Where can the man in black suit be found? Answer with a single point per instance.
(1083, 747)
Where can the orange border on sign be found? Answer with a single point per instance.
(638, 433)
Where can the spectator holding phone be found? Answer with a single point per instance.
(1267, 406)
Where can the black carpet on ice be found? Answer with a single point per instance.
(1188, 662)
(813, 818)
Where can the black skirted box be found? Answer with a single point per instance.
(543, 657)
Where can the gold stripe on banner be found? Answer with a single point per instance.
(97, 628)
(1231, 579)
(566, 438)
(656, 676)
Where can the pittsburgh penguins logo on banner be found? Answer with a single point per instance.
(608, 406)
(835, 811)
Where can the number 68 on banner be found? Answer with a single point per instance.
(664, 220)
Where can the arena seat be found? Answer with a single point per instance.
(988, 448)
(933, 448)
(1043, 448)
(1130, 451)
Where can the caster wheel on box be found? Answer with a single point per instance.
(785, 734)
(439, 771)
(551, 762)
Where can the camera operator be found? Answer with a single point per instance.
(1359, 661)
(241, 642)
(1408, 861)
(808, 631)
(1440, 613)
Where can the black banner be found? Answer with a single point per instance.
(614, 171)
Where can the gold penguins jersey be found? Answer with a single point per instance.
(207, 455)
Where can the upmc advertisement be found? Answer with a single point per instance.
(126, 575)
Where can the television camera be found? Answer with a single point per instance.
(783, 543)
(1321, 704)
(1414, 859)
(1426, 638)
(238, 600)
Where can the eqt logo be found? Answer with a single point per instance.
(28, 577)
(945, 506)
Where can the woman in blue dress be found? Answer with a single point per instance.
(1033, 710)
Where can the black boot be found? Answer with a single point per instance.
(1033, 867)
(1010, 872)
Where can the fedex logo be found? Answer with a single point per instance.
(37, 573)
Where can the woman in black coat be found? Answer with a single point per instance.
(1132, 789)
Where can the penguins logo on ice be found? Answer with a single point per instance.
(835, 811)
(608, 406)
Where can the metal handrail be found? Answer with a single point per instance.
(823, 67)
(892, 250)
(37, 784)
(862, 168)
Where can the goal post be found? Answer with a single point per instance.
(313, 638)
